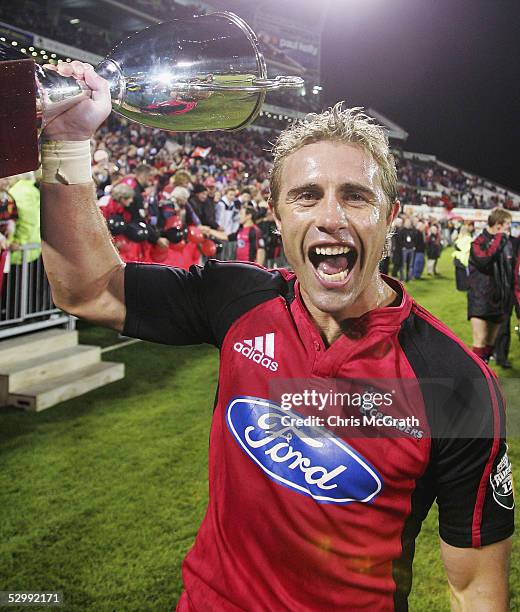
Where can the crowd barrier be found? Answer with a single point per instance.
(25, 297)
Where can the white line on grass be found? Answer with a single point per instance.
(119, 345)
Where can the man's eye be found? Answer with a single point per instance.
(307, 196)
(356, 197)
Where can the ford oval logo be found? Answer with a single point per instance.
(309, 460)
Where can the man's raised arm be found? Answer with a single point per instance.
(85, 272)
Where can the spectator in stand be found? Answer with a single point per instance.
(433, 248)
(211, 186)
(201, 209)
(245, 197)
(8, 215)
(418, 260)
(140, 183)
(228, 219)
(274, 257)
(102, 171)
(174, 205)
(491, 275)
(8, 218)
(462, 246)
(119, 215)
(27, 229)
(121, 198)
(406, 240)
(182, 179)
(249, 239)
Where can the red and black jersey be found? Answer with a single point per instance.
(491, 276)
(249, 241)
(300, 523)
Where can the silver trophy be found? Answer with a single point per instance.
(197, 74)
(202, 73)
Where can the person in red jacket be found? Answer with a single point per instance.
(490, 281)
(249, 239)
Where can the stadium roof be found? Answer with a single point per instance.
(394, 131)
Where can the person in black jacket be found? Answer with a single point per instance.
(418, 261)
(490, 293)
(503, 339)
(406, 240)
(201, 208)
(433, 246)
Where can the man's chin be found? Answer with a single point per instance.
(330, 301)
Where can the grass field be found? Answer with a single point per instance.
(102, 496)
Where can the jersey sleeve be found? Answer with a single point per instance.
(175, 306)
(469, 473)
(473, 473)
(483, 252)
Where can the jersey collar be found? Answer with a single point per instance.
(386, 316)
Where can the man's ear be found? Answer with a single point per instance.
(396, 207)
(274, 210)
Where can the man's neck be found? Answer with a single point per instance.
(377, 295)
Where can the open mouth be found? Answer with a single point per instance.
(333, 263)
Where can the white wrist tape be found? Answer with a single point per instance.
(66, 162)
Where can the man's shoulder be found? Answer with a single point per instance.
(236, 278)
(434, 350)
(177, 306)
(461, 393)
(231, 289)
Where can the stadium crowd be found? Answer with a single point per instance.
(178, 200)
(431, 183)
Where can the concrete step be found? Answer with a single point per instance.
(34, 345)
(47, 393)
(30, 371)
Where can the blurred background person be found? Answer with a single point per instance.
(201, 209)
(249, 239)
(490, 281)
(8, 218)
(274, 257)
(406, 240)
(27, 229)
(433, 248)
(418, 260)
(227, 216)
(462, 247)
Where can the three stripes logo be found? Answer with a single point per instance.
(260, 350)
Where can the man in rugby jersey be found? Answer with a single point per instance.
(294, 521)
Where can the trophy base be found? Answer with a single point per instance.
(18, 133)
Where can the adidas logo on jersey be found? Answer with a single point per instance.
(260, 350)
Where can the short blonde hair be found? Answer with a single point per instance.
(180, 177)
(121, 192)
(337, 124)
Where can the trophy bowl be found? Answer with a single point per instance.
(198, 74)
(201, 73)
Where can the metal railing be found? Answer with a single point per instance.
(25, 296)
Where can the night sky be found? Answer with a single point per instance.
(448, 72)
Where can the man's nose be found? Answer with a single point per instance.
(331, 215)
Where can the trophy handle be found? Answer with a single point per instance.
(257, 85)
